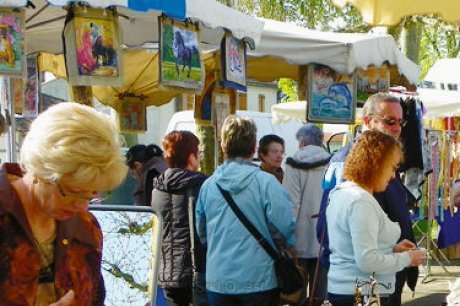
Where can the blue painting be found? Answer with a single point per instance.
(331, 97)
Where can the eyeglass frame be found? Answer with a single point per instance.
(390, 121)
(91, 200)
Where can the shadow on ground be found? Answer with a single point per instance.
(432, 299)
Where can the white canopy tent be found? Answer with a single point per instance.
(344, 52)
(439, 103)
(44, 24)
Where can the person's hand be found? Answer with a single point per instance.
(404, 245)
(66, 300)
(417, 257)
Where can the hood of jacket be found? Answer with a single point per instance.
(235, 175)
(309, 157)
(175, 179)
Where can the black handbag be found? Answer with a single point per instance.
(290, 277)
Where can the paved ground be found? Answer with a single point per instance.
(432, 287)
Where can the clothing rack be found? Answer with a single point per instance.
(437, 187)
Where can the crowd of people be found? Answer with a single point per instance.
(342, 218)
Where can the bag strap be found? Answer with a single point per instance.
(249, 226)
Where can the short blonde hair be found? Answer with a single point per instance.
(238, 136)
(371, 151)
(75, 144)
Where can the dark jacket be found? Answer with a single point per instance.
(393, 202)
(143, 192)
(77, 253)
(170, 197)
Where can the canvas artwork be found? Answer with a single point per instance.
(32, 88)
(12, 58)
(331, 95)
(132, 115)
(93, 53)
(372, 80)
(180, 60)
(17, 94)
(235, 62)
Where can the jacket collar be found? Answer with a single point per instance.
(74, 228)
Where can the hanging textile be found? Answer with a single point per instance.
(417, 162)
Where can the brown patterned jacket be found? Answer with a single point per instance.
(78, 253)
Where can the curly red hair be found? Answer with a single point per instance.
(370, 153)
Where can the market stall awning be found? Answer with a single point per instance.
(140, 79)
(344, 52)
(390, 12)
(138, 21)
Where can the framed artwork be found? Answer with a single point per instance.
(32, 88)
(180, 54)
(12, 58)
(373, 80)
(132, 115)
(92, 47)
(331, 95)
(221, 104)
(233, 62)
(17, 94)
(82, 94)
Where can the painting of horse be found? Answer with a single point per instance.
(184, 54)
(180, 60)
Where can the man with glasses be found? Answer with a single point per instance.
(382, 112)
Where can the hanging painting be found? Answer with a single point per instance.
(180, 61)
(132, 115)
(233, 62)
(12, 59)
(372, 80)
(32, 88)
(331, 95)
(92, 47)
(17, 94)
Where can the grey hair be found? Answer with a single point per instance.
(370, 107)
(310, 134)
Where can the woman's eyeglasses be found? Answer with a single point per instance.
(391, 121)
(79, 197)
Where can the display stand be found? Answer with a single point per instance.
(431, 247)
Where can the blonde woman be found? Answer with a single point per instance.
(362, 239)
(51, 245)
(238, 270)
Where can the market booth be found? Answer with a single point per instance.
(93, 38)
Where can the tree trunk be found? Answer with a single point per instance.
(411, 38)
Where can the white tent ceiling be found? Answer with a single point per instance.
(43, 30)
(344, 52)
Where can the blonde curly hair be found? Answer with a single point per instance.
(370, 153)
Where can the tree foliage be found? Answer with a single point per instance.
(439, 40)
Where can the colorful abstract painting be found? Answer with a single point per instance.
(132, 115)
(12, 60)
(234, 63)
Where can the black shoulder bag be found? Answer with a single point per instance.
(290, 277)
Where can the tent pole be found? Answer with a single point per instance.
(11, 155)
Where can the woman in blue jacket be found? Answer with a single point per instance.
(238, 270)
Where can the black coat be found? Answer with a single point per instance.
(172, 190)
